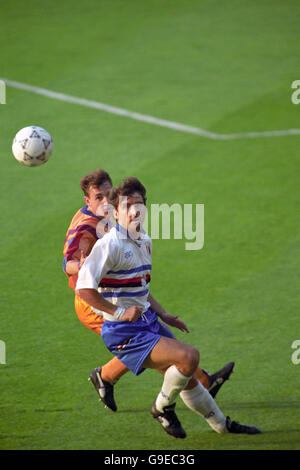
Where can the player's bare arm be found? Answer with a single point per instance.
(96, 300)
(166, 317)
(73, 266)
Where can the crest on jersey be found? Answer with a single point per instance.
(128, 254)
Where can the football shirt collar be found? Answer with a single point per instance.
(127, 235)
(86, 211)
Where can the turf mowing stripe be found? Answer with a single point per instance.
(149, 119)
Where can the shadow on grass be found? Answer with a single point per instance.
(232, 406)
(262, 404)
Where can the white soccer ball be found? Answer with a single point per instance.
(32, 146)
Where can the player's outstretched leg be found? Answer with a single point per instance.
(198, 399)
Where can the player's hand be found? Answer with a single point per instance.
(171, 320)
(132, 314)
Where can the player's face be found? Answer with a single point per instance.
(97, 200)
(131, 213)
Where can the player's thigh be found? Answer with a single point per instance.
(169, 351)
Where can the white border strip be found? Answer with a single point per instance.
(144, 118)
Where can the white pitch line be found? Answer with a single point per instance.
(144, 118)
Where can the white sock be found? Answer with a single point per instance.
(174, 382)
(199, 400)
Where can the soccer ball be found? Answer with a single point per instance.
(32, 146)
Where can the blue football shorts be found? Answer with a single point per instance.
(132, 342)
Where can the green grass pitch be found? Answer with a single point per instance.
(226, 67)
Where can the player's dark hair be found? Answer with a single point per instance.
(95, 178)
(128, 187)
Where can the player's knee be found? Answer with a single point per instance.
(191, 359)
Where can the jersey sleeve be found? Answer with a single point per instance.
(83, 239)
(101, 259)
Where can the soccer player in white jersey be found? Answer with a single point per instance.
(83, 232)
(121, 260)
